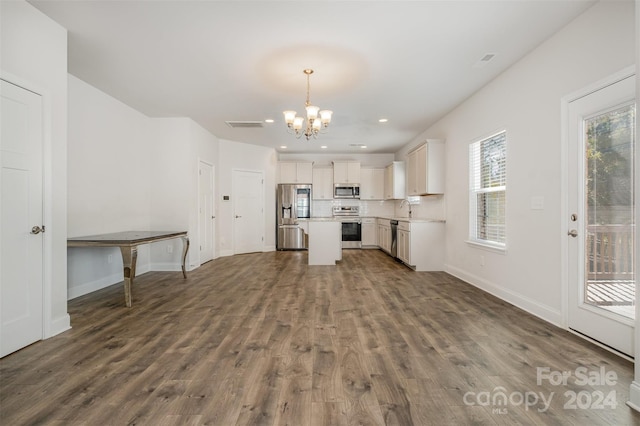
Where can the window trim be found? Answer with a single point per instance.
(489, 245)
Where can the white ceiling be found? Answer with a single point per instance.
(408, 61)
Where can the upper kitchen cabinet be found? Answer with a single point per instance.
(346, 172)
(425, 174)
(322, 183)
(371, 184)
(394, 181)
(295, 172)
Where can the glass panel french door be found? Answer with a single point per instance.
(609, 151)
(602, 203)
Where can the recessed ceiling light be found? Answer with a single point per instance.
(323, 147)
(269, 120)
(383, 120)
(363, 146)
(283, 147)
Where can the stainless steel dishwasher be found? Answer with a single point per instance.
(394, 237)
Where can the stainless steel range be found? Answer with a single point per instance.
(351, 225)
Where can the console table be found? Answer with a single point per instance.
(128, 242)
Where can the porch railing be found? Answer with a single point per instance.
(610, 252)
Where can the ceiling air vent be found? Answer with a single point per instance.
(244, 124)
(484, 60)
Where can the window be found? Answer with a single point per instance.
(488, 190)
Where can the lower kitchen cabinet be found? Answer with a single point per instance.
(369, 233)
(384, 235)
(404, 245)
(421, 245)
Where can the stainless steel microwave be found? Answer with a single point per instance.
(341, 190)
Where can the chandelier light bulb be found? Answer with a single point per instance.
(312, 112)
(325, 117)
(289, 116)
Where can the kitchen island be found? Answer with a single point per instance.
(325, 240)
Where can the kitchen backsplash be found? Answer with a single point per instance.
(432, 207)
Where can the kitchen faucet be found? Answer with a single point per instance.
(408, 204)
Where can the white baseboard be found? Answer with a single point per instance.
(168, 267)
(269, 248)
(225, 253)
(634, 396)
(532, 306)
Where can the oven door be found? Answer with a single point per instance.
(352, 234)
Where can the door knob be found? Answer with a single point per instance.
(573, 233)
(36, 230)
(238, 216)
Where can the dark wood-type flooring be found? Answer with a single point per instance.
(264, 339)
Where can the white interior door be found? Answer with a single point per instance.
(206, 212)
(248, 216)
(21, 249)
(601, 200)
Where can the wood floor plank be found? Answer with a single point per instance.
(265, 339)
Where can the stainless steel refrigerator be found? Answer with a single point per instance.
(293, 202)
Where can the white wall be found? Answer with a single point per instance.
(109, 170)
(526, 101)
(178, 146)
(241, 156)
(34, 55)
(129, 172)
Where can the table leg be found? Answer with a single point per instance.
(185, 249)
(129, 257)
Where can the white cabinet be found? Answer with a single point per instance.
(384, 235)
(369, 232)
(346, 172)
(371, 184)
(322, 183)
(295, 172)
(404, 242)
(425, 174)
(421, 245)
(394, 181)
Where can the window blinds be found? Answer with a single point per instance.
(487, 189)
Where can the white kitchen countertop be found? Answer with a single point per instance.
(403, 219)
(411, 219)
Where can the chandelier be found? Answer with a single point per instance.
(316, 120)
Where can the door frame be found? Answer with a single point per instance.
(565, 222)
(49, 329)
(213, 207)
